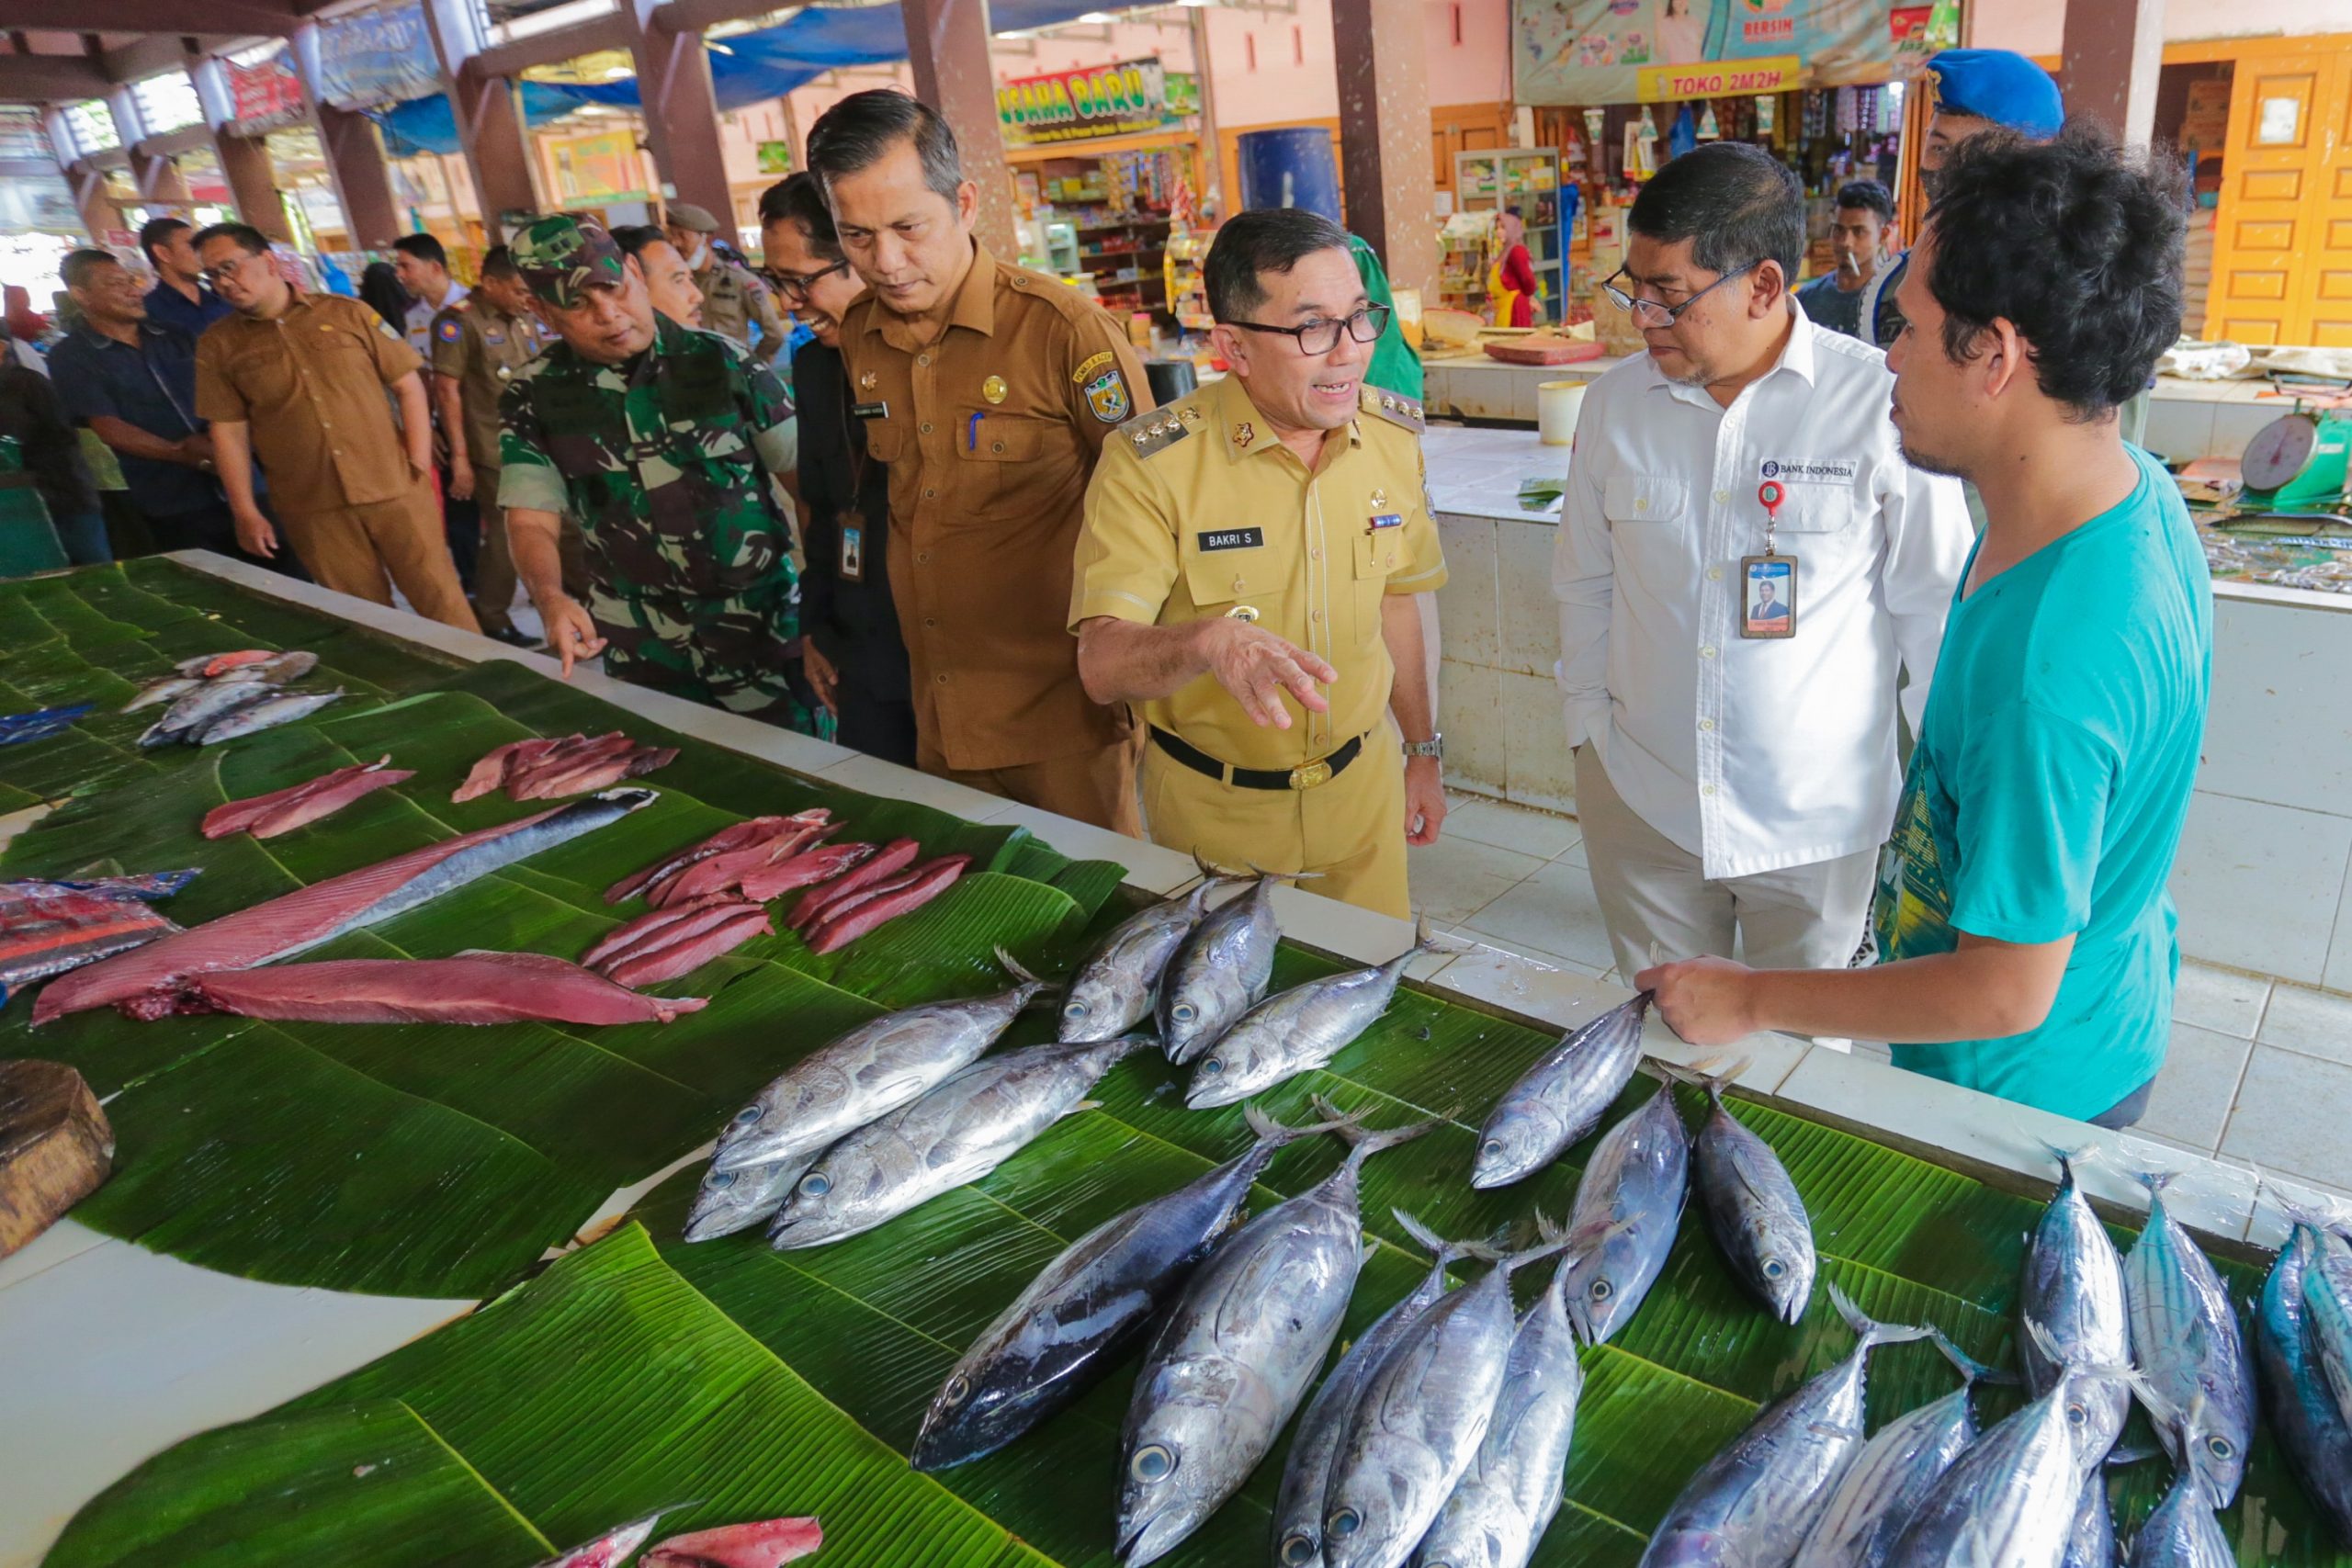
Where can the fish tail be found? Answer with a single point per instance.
(1553, 1237)
(2103, 1370)
(1869, 1330)
(1265, 875)
(1442, 1249)
(1019, 971)
(1970, 1370)
(2068, 1158)
(1269, 1131)
(1698, 1075)
(1365, 1141)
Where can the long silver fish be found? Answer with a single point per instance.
(1235, 1353)
(2327, 1306)
(2182, 1533)
(2074, 1293)
(870, 1072)
(1754, 1502)
(2185, 1338)
(1752, 1206)
(253, 717)
(164, 689)
(1505, 1500)
(1894, 1473)
(1219, 972)
(1419, 1425)
(1297, 1030)
(1562, 1097)
(1627, 1206)
(2090, 1541)
(954, 1134)
(1114, 989)
(192, 713)
(731, 1201)
(2310, 1426)
(1307, 1468)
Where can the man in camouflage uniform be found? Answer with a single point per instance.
(660, 440)
(731, 298)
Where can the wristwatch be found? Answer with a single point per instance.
(1433, 747)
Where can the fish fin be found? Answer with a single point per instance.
(1014, 967)
(1696, 1076)
(1265, 875)
(1442, 1249)
(1972, 1370)
(1553, 1237)
(1269, 1131)
(1365, 1141)
(1086, 1105)
(1867, 1329)
(2108, 1372)
(1830, 1429)
(2124, 1455)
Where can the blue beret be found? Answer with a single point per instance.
(2000, 85)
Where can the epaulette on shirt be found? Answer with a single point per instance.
(1157, 431)
(1393, 407)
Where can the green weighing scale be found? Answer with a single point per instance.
(2294, 472)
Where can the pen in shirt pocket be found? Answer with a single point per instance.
(972, 431)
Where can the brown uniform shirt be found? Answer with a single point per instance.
(990, 433)
(481, 348)
(311, 386)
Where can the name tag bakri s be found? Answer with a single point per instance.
(1232, 539)
(871, 411)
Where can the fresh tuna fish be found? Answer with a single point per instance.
(1298, 1031)
(1114, 989)
(204, 666)
(1088, 1308)
(870, 1072)
(489, 772)
(1754, 1502)
(1893, 1474)
(895, 857)
(2310, 1426)
(820, 862)
(1235, 1352)
(254, 717)
(731, 1201)
(2074, 1295)
(734, 837)
(1506, 1501)
(660, 927)
(280, 668)
(1306, 1469)
(1562, 1097)
(2327, 1308)
(283, 810)
(1418, 1424)
(1752, 1207)
(2184, 1339)
(191, 715)
(609, 1549)
(2182, 1533)
(168, 688)
(952, 1137)
(294, 922)
(2090, 1542)
(861, 912)
(655, 964)
(769, 1543)
(1628, 1203)
(473, 987)
(1220, 972)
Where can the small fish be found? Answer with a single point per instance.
(2182, 1533)
(1298, 1031)
(1627, 1206)
(1112, 990)
(164, 690)
(190, 715)
(2074, 1295)
(1562, 1097)
(2184, 1335)
(205, 666)
(2305, 1415)
(731, 1201)
(1894, 1473)
(1752, 1206)
(1220, 972)
(253, 718)
(279, 669)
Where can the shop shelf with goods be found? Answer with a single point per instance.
(1117, 203)
(1188, 298)
(1529, 179)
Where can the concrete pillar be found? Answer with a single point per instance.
(355, 151)
(99, 213)
(244, 160)
(490, 121)
(947, 45)
(1385, 156)
(158, 180)
(680, 112)
(2114, 50)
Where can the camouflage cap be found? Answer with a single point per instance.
(559, 256)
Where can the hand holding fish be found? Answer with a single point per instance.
(572, 634)
(1707, 1001)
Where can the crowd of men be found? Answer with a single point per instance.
(1213, 622)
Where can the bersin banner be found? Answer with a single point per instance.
(1623, 51)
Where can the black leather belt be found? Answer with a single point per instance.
(1306, 776)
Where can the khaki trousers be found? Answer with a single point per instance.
(365, 551)
(494, 578)
(1351, 830)
(1096, 786)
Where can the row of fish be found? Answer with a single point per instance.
(541, 768)
(297, 805)
(244, 694)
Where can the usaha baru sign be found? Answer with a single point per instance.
(1081, 105)
(1623, 51)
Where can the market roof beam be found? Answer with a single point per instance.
(50, 78)
(213, 18)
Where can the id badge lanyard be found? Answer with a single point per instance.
(1768, 584)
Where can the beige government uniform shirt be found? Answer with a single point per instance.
(310, 386)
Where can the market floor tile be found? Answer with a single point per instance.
(2194, 1091)
(1543, 834)
(2227, 1001)
(2290, 1116)
(1454, 878)
(1554, 911)
(2311, 1023)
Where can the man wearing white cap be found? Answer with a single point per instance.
(731, 298)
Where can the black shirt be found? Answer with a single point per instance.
(852, 622)
(29, 412)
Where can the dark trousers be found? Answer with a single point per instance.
(2128, 1111)
(879, 727)
(462, 519)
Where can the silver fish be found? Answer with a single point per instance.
(2185, 1338)
(253, 717)
(1506, 1501)
(1754, 1502)
(1220, 972)
(954, 1134)
(2327, 1308)
(2182, 1533)
(1419, 1425)
(1300, 1030)
(1627, 1206)
(2090, 1542)
(2074, 1295)
(2303, 1412)
(1087, 1307)
(1894, 1473)
(1235, 1353)
(869, 1072)
(279, 669)
(166, 689)
(1307, 1468)
(1114, 989)
(731, 1201)
(191, 714)
(1562, 1097)
(1752, 1206)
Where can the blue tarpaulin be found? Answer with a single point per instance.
(753, 67)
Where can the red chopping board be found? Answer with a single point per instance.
(1544, 351)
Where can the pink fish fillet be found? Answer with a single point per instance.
(491, 772)
(526, 780)
(766, 1544)
(896, 856)
(804, 869)
(837, 931)
(690, 950)
(473, 987)
(725, 871)
(755, 830)
(659, 928)
(609, 1549)
(282, 811)
(597, 772)
(236, 816)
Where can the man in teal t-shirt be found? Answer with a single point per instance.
(2027, 942)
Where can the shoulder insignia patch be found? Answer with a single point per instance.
(1393, 407)
(1151, 434)
(1089, 366)
(447, 330)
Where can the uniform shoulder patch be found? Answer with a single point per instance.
(1393, 407)
(1151, 434)
(447, 327)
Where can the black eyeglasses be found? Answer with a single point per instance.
(1650, 312)
(794, 286)
(1322, 336)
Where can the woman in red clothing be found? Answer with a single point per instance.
(1512, 281)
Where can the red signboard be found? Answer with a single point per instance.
(267, 92)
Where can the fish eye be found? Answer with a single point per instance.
(816, 1184)
(1296, 1550)
(720, 1180)
(1774, 1269)
(1343, 1523)
(1075, 1009)
(1212, 1066)
(958, 1388)
(1492, 1148)
(2077, 1415)
(746, 1116)
(1157, 1463)
(1601, 1290)
(1183, 1012)
(2220, 1448)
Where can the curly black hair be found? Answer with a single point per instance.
(2077, 244)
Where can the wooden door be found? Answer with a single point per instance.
(2282, 236)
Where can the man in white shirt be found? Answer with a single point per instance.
(1735, 773)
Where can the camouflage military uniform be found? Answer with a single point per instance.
(665, 462)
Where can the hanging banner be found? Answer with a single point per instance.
(591, 170)
(1623, 51)
(376, 56)
(266, 93)
(1081, 105)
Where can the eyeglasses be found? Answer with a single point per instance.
(1322, 336)
(794, 286)
(228, 269)
(1651, 312)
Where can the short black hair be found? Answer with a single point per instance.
(250, 240)
(2077, 245)
(632, 238)
(1270, 239)
(860, 131)
(75, 269)
(499, 262)
(798, 200)
(1869, 195)
(156, 231)
(424, 247)
(1737, 204)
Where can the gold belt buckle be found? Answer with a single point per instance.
(1306, 776)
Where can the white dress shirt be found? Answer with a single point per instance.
(420, 323)
(1752, 755)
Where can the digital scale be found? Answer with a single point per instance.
(2295, 468)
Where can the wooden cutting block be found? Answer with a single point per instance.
(55, 1147)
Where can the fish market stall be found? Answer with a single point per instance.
(394, 1262)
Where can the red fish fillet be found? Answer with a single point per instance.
(221, 664)
(473, 987)
(767, 1544)
(690, 951)
(598, 771)
(755, 830)
(658, 926)
(719, 872)
(804, 869)
(838, 931)
(491, 772)
(527, 781)
(896, 856)
(280, 811)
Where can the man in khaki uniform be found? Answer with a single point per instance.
(988, 392)
(479, 347)
(731, 298)
(297, 381)
(1271, 532)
